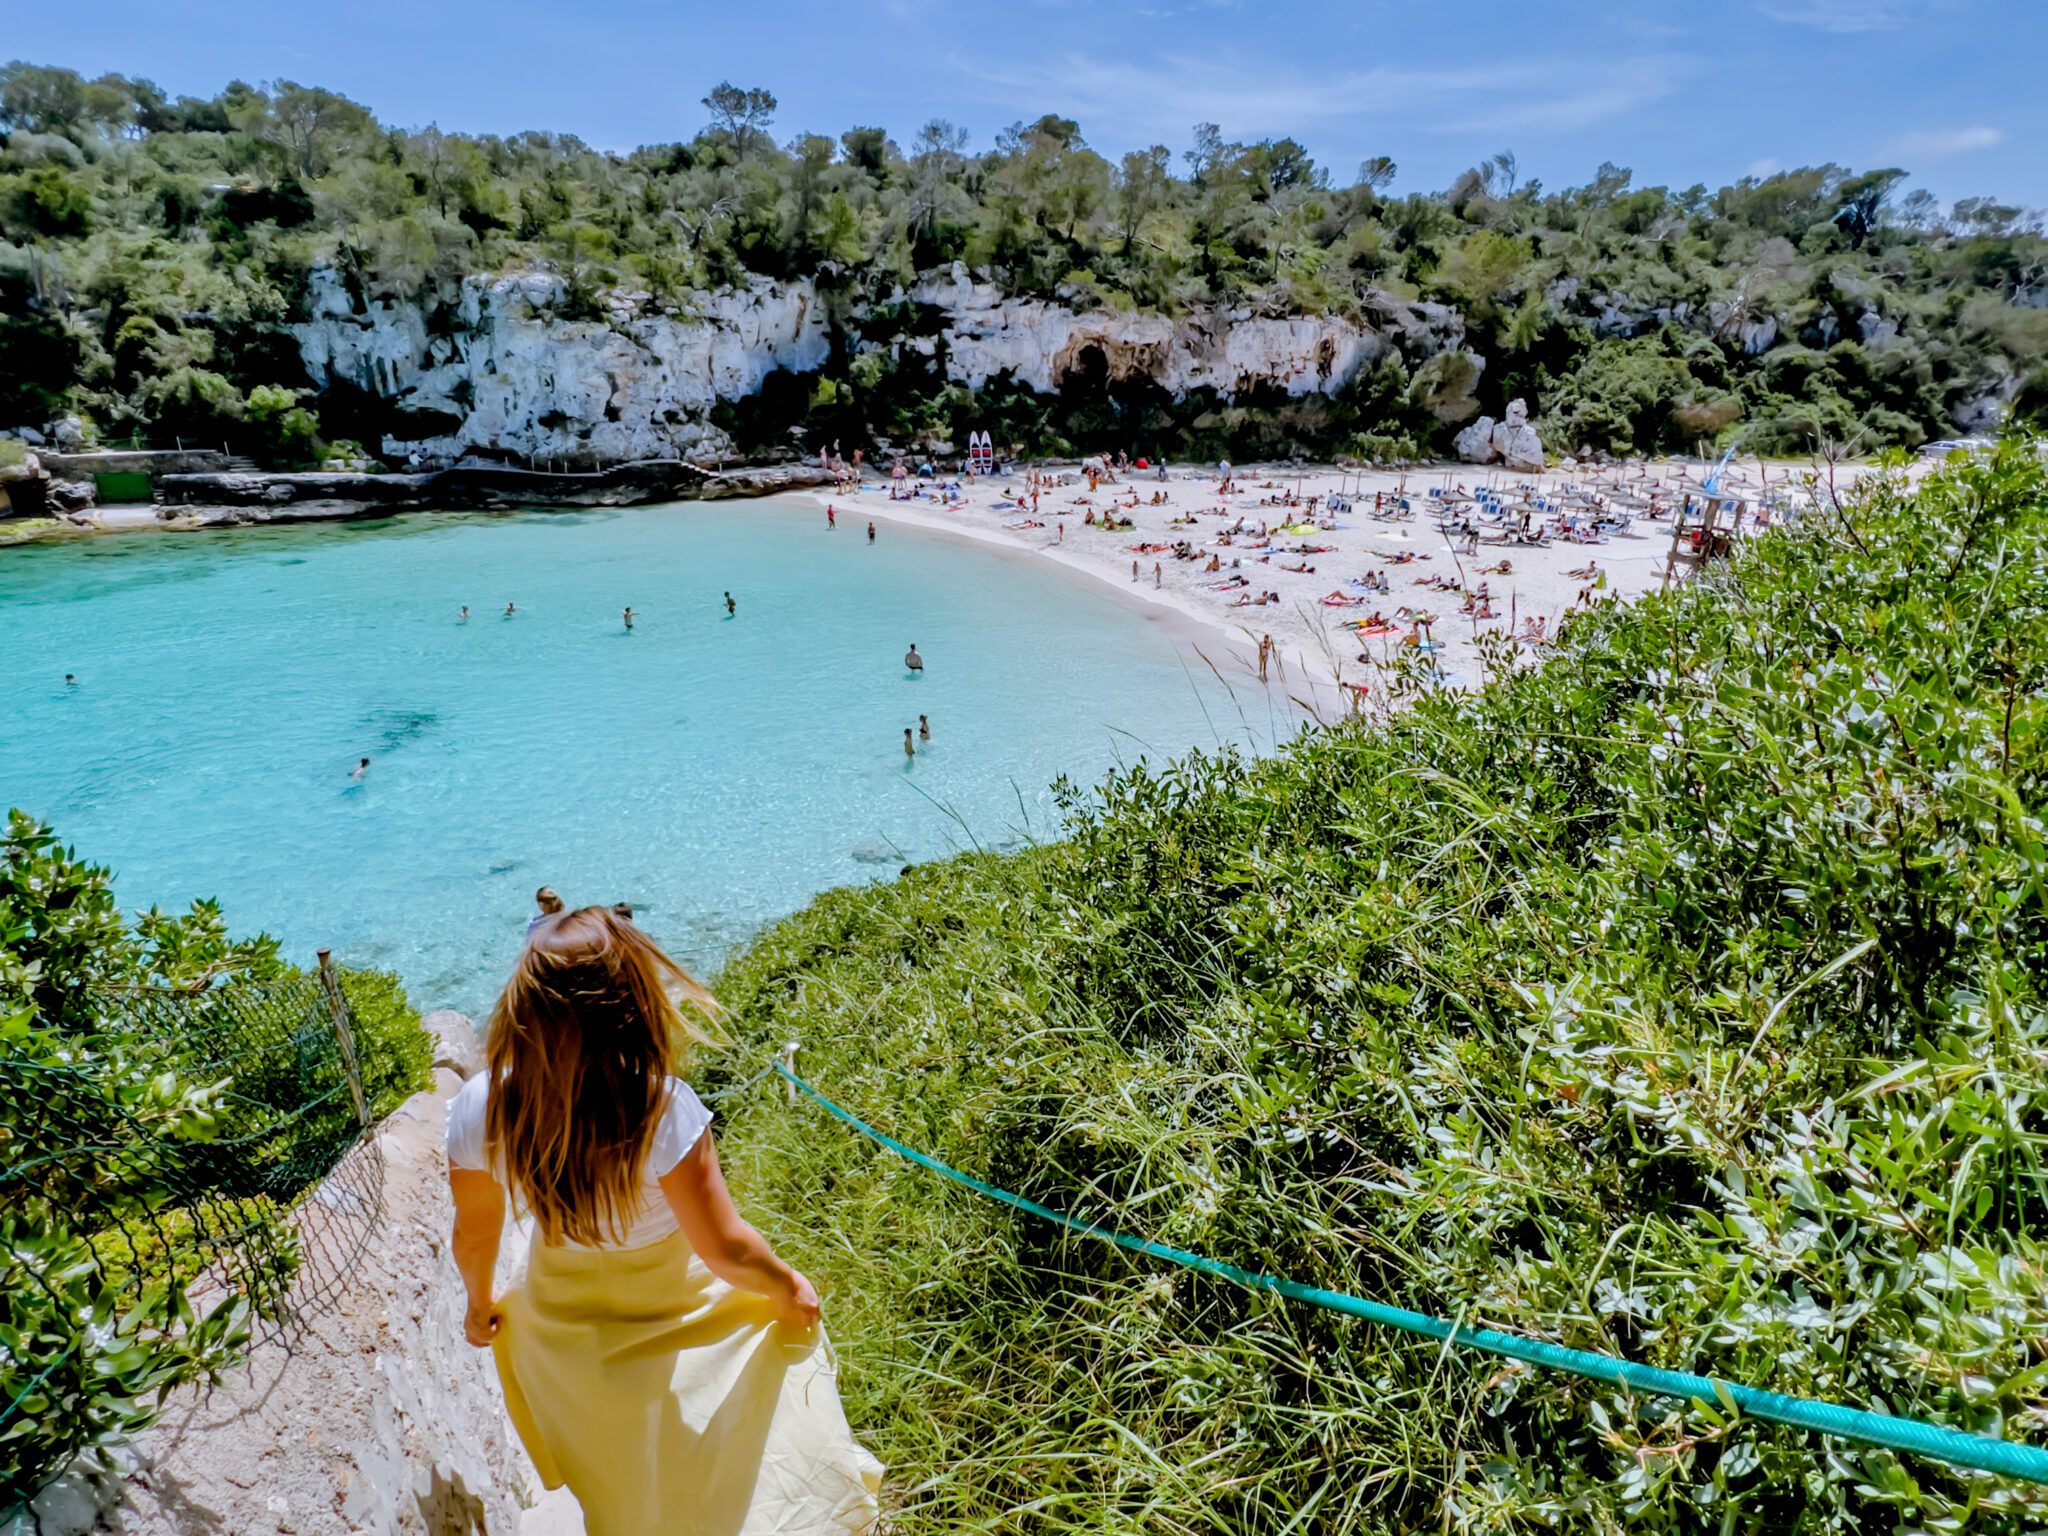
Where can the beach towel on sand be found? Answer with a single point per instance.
(671, 1403)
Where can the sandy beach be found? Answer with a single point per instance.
(1323, 651)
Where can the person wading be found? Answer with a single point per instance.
(660, 1359)
(914, 661)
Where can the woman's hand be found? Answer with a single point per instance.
(479, 1223)
(799, 1308)
(480, 1324)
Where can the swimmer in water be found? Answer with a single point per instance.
(909, 748)
(731, 607)
(359, 770)
(628, 617)
(924, 729)
(510, 609)
(464, 617)
(70, 681)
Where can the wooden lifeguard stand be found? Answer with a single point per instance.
(1704, 528)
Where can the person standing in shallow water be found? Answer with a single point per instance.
(871, 533)
(914, 661)
(909, 750)
(731, 607)
(463, 617)
(924, 729)
(627, 615)
(661, 1359)
(550, 906)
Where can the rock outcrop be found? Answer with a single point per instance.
(499, 369)
(239, 497)
(1510, 441)
(496, 367)
(1229, 351)
(22, 487)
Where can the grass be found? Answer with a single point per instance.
(1678, 998)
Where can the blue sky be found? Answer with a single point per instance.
(1680, 92)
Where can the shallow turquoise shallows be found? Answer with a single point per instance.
(713, 771)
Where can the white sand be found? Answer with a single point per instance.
(1317, 654)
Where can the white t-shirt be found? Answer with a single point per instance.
(683, 1121)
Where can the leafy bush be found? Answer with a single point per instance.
(62, 936)
(167, 1094)
(1680, 998)
(397, 1056)
(95, 1315)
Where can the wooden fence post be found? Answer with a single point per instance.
(344, 1034)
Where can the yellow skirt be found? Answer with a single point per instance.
(674, 1405)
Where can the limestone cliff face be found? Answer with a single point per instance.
(499, 368)
(1231, 352)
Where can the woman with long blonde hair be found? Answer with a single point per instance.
(659, 1359)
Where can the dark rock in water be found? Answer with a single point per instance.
(875, 853)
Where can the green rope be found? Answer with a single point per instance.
(1954, 1446)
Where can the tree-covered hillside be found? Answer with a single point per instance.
(151, 249)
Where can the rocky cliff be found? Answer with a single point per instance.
(499, 368)
(1229, 351)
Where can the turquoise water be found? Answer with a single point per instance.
(714, 771)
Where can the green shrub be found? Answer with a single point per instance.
(397, 1055)
(100, 1238)
(1680, 998)
(167, 1095)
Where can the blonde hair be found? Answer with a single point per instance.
(582, 1043)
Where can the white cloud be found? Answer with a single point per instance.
(1848, 15)
(1765, 167)
(1945, 143)
(1127, 102)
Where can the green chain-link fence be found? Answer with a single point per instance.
(195, 1173)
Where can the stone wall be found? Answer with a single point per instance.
(149, 461)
